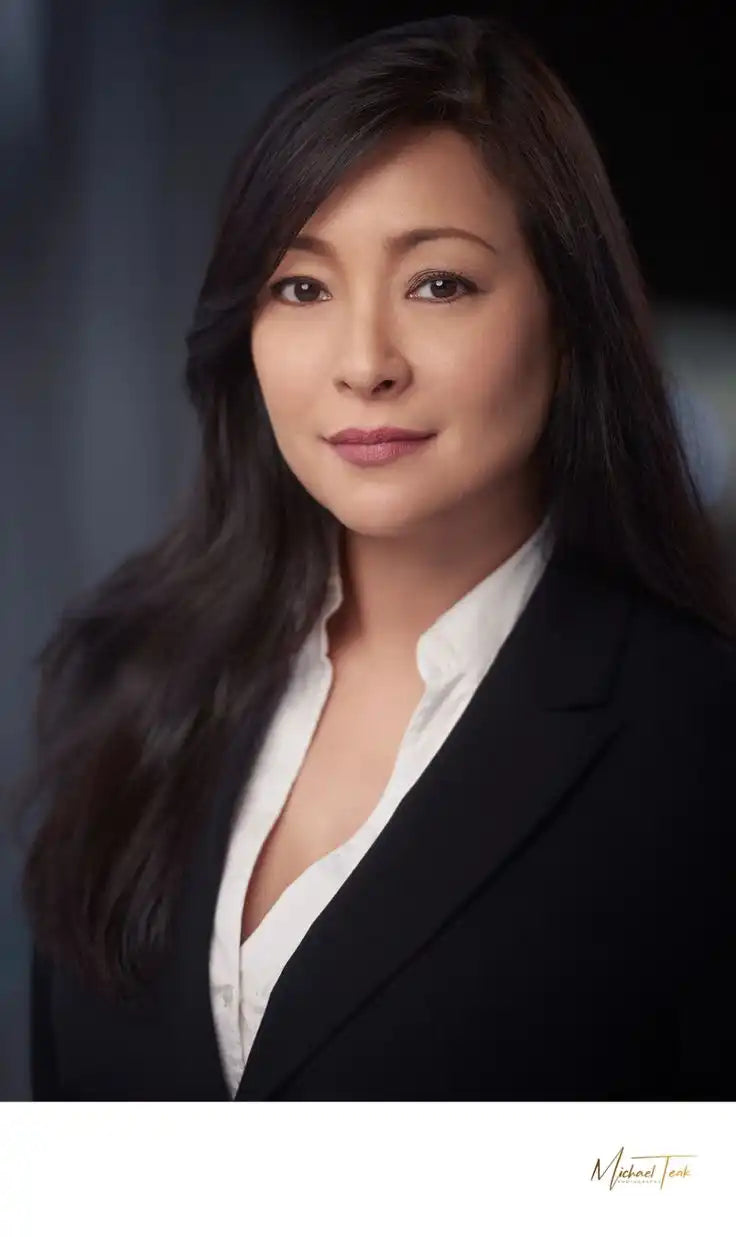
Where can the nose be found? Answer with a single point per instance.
(370, 361)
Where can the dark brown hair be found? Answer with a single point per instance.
(148, 676)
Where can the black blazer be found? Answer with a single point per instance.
(548, 915)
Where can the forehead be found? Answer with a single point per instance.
(427, 178)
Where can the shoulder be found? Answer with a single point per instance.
(674, 654)
(676, 692)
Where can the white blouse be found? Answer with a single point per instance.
(453, 656)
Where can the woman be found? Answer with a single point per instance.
(402, 772)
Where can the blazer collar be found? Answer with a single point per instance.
(544, 703)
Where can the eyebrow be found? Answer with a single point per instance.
(401, 243)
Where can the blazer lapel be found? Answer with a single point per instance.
(534, 725)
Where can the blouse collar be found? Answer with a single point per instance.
(466, 637)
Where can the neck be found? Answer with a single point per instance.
(396, 587)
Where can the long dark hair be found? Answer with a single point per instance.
(148, 676)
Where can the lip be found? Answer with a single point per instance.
(383, 433)
(367, 454)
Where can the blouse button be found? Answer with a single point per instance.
(227, 995)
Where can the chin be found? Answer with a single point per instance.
(381, 526)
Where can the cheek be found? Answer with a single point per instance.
(494, 369)
(291, 394)
(285, 387)
(503, 368)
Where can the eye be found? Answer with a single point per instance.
(444, 282)
(301, 285)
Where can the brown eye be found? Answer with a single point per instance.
(445, 283)
(301, 287)
(445, 286)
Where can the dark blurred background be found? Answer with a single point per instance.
(118, 120)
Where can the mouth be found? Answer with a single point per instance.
(382, 450)
(381, 433)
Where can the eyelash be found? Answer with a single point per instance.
(468, 285)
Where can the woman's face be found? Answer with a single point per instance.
(449, 335)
